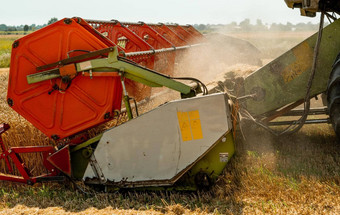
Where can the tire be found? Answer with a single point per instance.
(333, 96)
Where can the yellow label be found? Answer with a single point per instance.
(303, 59)
(190, 125)
(194, 114)
(196, 129)
(184, 125)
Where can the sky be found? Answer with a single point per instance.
(17, 12)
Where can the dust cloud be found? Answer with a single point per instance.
(209, 62)
(218, 55)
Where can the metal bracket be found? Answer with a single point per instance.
(96, 169)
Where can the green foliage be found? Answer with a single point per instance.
(247, 26)
(52, 20)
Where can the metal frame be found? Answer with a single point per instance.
(144, 42)
(13, 154)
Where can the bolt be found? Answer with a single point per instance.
(107, 115)
(224, 139)
(67, 21)
(15, 44)
(10, 102)
(55, 137)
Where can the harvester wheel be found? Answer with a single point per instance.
(333, 96)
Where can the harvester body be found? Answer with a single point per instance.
(281, 81)
(306, 71)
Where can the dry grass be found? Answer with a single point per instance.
(296, 174)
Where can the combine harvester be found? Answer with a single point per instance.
(74, 74)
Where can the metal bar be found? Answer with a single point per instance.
(126, 22)
(19, 165)
(32, 149)
(12, 178)
(131, 70)
(283, 111)
(311, 121)
(77, 58)
(312, 111)
(50, 178)
(130, 54)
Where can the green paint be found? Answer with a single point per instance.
(80, 156)
(210, 164)
(128, 107)
(133, 72)
(113, 64)
(284, 80)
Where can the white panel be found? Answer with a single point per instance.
(150, 147)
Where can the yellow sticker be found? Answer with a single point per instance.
(184, 125)
(190, 125)
(196, 129)
(194, 114)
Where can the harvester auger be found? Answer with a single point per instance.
(74, 74)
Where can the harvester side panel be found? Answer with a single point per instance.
(284, 80)
(158, 147)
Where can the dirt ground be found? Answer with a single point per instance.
(293, 174)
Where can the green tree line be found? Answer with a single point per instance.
(8, 29)
(246, 25)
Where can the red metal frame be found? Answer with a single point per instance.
(135, 37)
(170, 35)
(164, 62)
(13, 153)
(149, 35)
(191, 39)
(193, 31)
